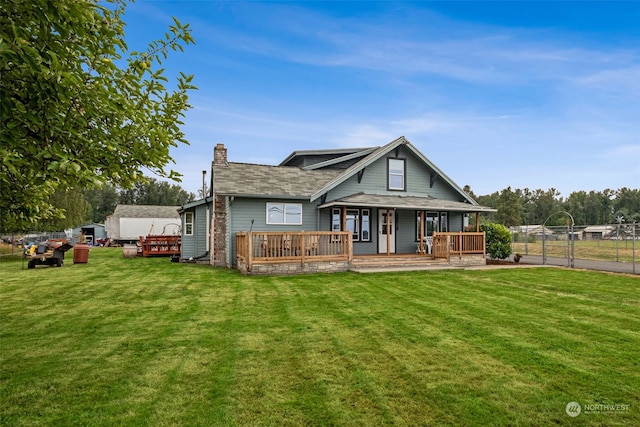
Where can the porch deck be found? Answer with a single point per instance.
(296, 252)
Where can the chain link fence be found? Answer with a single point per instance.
(563, 245)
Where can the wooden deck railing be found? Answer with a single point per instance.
(464, 243)
(255, 247)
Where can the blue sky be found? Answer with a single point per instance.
(522, 94)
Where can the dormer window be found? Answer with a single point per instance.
(396, 168)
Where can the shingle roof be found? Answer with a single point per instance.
(406, 202)
(146, 211)
(335, 152)
(243, 179)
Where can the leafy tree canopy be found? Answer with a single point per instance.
(103, 200)
(77, 108)
(518, 207)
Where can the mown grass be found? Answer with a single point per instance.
(148, 342)
(603, 250)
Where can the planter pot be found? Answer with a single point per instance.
(130, 251)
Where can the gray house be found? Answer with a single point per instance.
(195, 218)
(323, 210)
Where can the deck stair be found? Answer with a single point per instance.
(407, 262)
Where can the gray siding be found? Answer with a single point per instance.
(374, 181)
(188, 243)
(242, 211)
(196, 244)
(200, 225)
(456, 221)
(405, 231)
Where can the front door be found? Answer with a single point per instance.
(386, 231)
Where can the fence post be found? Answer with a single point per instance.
(633, 248)
(544, 249)
(573, 245)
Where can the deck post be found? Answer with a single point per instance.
(484, 244)
(249, 248)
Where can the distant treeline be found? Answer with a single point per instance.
(525, 206)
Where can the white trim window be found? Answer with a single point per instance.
(396, 180)
(365, 228)
(431, 218)
(357, 221)
(336, 220)
(188, 223)
(284, 213)
(353, 223)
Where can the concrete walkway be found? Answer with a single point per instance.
(527, 261)
(436, 267)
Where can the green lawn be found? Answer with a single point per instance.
(149, 342)
(604, 250)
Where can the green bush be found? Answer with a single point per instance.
(498, 238)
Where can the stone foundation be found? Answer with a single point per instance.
(467, 260)
(278, 269)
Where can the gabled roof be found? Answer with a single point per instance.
(195, 203)
(146, 211)
(336, 160)
(313, 181)
(249, 180)
(337, 152)
(378, 154)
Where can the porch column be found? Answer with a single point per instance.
(421, 233)
(344, 218)
(388, 230)
(477, 222)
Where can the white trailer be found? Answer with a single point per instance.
(129, 222)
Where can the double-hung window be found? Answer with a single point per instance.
(188, 223)
(284, 213)
(397, 178)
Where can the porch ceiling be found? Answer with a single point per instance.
(405, 202)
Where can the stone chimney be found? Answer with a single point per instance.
(220, 155)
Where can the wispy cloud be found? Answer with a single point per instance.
(476, 54)
(534, 107)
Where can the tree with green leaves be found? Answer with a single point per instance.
(154, 192)
(74, 206)
(77, 108)
(102, 202)
(509, 207)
